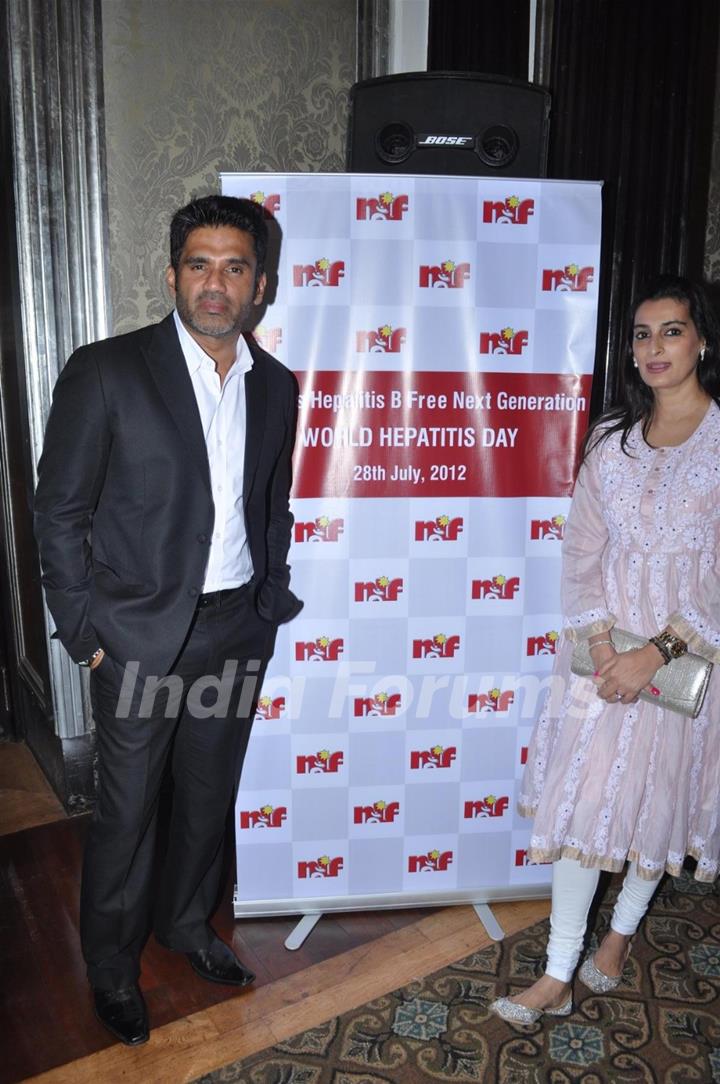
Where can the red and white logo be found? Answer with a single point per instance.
(442, 529)
(383, 589)
(436, 757)
(321, 650)
(382, 704)
(548, 529)
(322, 529)
(271, 203)
(268, 337)
(490, 806)
(568, 279)
(320, 867)
(378, 813)
(323, 272)
(265, 817)
(383, 340)
(492, 701)
(546, 644)
(439, 646)
(385, 207)
(499, 587)
(321, 763)
(521, 859)
(269, 707)
(434, 861)
(511, 211)
(506, 341)
(445, 276)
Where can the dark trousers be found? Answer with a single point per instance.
(200, 718)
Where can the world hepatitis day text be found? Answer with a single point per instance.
(406, 436)
(422, 436)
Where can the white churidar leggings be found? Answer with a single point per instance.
(573, 889)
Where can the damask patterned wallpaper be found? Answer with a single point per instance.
(194, 87)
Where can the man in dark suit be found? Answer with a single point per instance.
(163, 524)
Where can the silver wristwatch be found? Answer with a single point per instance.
(91, 660)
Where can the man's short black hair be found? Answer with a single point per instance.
(213, 211)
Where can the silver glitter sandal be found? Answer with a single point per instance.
(514, 1013)
(595, 979)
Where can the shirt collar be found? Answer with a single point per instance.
(196, 358)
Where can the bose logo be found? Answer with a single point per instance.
(444, 140)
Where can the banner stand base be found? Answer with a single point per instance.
(305, 927)
(307, 924)
(492, 927)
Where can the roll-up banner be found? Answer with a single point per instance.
(442, 330)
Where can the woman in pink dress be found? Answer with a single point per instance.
(610, 778)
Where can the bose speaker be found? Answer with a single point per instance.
(448, 122)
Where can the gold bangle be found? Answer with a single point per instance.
(598, 643)
(663, 648)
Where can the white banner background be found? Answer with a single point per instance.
(393, 723)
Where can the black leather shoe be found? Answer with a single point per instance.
(123, 1013)
(218, 963)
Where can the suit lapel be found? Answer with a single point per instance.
(255, 413)
(167, 365)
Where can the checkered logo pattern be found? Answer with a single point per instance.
(442, 330)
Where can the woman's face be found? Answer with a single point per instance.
(666, 344)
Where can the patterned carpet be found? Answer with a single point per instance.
(662, 1026)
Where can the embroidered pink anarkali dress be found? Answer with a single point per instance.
(611, 782)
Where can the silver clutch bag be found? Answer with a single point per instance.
(682, 683)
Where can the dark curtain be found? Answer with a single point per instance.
(632, 85)
(632, 89)
(479, 36)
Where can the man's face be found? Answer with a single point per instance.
(214, 285)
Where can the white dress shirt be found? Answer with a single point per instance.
(222, 412)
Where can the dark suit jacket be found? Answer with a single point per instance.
(123, 510)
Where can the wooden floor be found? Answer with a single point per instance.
(26, 799)
(46, 1018)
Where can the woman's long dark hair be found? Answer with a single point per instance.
(636, 400)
